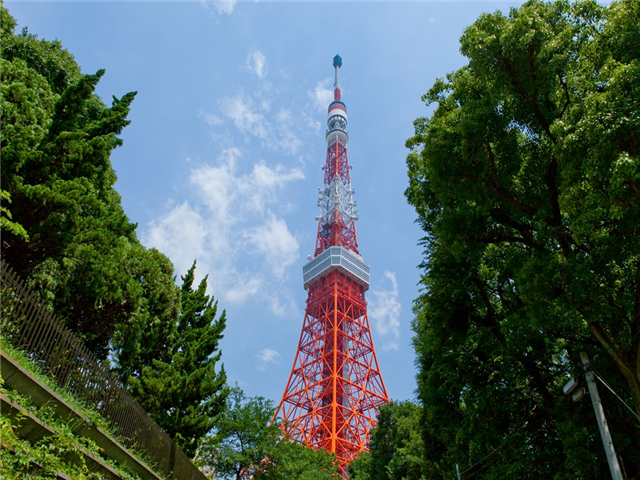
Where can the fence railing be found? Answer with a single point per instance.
(27, 326)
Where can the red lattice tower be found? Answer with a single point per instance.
(335, 388)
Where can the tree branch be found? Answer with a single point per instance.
(528, 364)
(525, 230)
(511, 239)
(635, 320)
(536, 108)
(504, 192)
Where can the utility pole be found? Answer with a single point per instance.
(614, 466)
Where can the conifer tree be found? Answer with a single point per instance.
(180, 388)
(64, 229)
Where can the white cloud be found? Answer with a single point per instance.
(221, 6)
(289, 143)
(210, 119)
(384, 310)
(231, 225)
(232, 214)
(215, 184)
(257, 63)
(245, 288)
(181, 234)
(261, 185)
(274, 240)
(266, 357)
(285, 115)
(322, 95)
(239, 110)
(225, 6)
(249, 119)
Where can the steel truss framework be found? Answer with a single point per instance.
(335, 388)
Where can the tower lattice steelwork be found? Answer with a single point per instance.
(335, 387)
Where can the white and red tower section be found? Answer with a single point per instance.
(335, 388)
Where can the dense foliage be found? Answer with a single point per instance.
(172, 369)
(56, 140)
(526, 181)
(49, 456)
(65, 232)
(396, 448)
(244, 442)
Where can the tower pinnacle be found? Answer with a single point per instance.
(337, 63)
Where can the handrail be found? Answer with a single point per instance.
(28, 327)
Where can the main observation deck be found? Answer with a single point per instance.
(336, 258)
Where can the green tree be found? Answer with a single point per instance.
(289, 460)
(396, 447)
(171, 368)
(526, 182)
(64, 229)
(245, 442)
(360, 467)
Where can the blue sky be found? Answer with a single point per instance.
(222, 160)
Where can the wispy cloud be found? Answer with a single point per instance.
(225, 6)
(232, 215)
(210, 119)
(239, 109)
(220, 6)
(322, 95)
(384, 310)
(248, 115)
(274, 240)
(257, 63)
(231, 225)
(266, 357)
(180, 233)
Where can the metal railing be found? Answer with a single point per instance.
(28, 327)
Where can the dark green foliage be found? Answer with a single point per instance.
(65, 231)
(5, 219)
(47, 58)
(396, 447)
(525, 180)
(244, 442)
(56, 140)
(171, 367)
(81, 253)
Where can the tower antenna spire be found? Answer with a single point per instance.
(337, 63)
(335, 388)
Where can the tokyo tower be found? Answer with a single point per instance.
(335, 388)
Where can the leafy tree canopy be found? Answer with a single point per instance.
(245, 442)
(396, 447)
(526, 181)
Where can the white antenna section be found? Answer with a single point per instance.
(337, 199)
